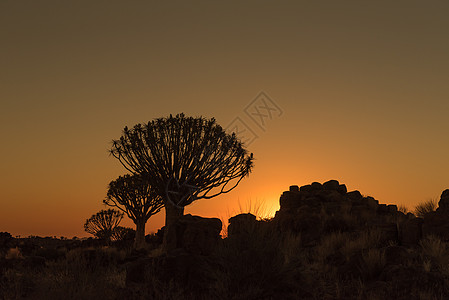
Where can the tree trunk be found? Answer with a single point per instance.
(139, 241)
(172, 214)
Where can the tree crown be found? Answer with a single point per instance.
(133, 195)
(103, 223)
(186, 158)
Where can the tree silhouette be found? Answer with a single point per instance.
(103, 223)
(186, 159)
(123, 233)
(133, 195)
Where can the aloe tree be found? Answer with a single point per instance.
(186, 159)
(123, 233)
(103, 223)
(133, 195)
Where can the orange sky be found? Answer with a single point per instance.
(363, 88)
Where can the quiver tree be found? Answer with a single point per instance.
(187, 159)
(133, 195)
(103, 223)
(123, 234)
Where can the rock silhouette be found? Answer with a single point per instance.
(437, 223)
(315, 209)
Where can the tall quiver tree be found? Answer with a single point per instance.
(187, 159)
(133, 195)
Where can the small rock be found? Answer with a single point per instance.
(355, 195)
(294, 188)
(316, 186)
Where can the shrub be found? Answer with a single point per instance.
(422, 209)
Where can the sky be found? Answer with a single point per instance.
(355, 91)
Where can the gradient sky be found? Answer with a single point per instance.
(363, 87)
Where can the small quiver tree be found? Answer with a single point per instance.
(103, 223)
(123, 234)
(133, 195)
(188, 159)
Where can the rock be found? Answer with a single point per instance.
(392, 208)
(411, 231)
(334, 196)
(336, 223)
(306, 221)
(290, 200)
(312, 202)
(443, 204)
(294, 188)
(363, 213)
(382, 209)
(306, 188)
(332, 208)
(316, 186)
(241, 224)
(436, 223)
(342, 189)
(195, 234)
(372, 203)
(354, 195)
(331, 185)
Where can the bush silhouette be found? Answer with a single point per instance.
(422, 209)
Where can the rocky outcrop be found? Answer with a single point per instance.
(318, 208)
(437, 223)
(196, 235)
(443, 204)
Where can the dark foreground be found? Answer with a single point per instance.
(324, 243)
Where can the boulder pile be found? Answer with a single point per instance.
(315, 209)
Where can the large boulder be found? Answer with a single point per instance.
(242, 224)
(322, 208)
(304, 221)
(290, 199)
(196, 235)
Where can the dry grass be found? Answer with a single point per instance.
(258, 208)
(435, 253)
(422, 209)
(403, 209)
(364, 240)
